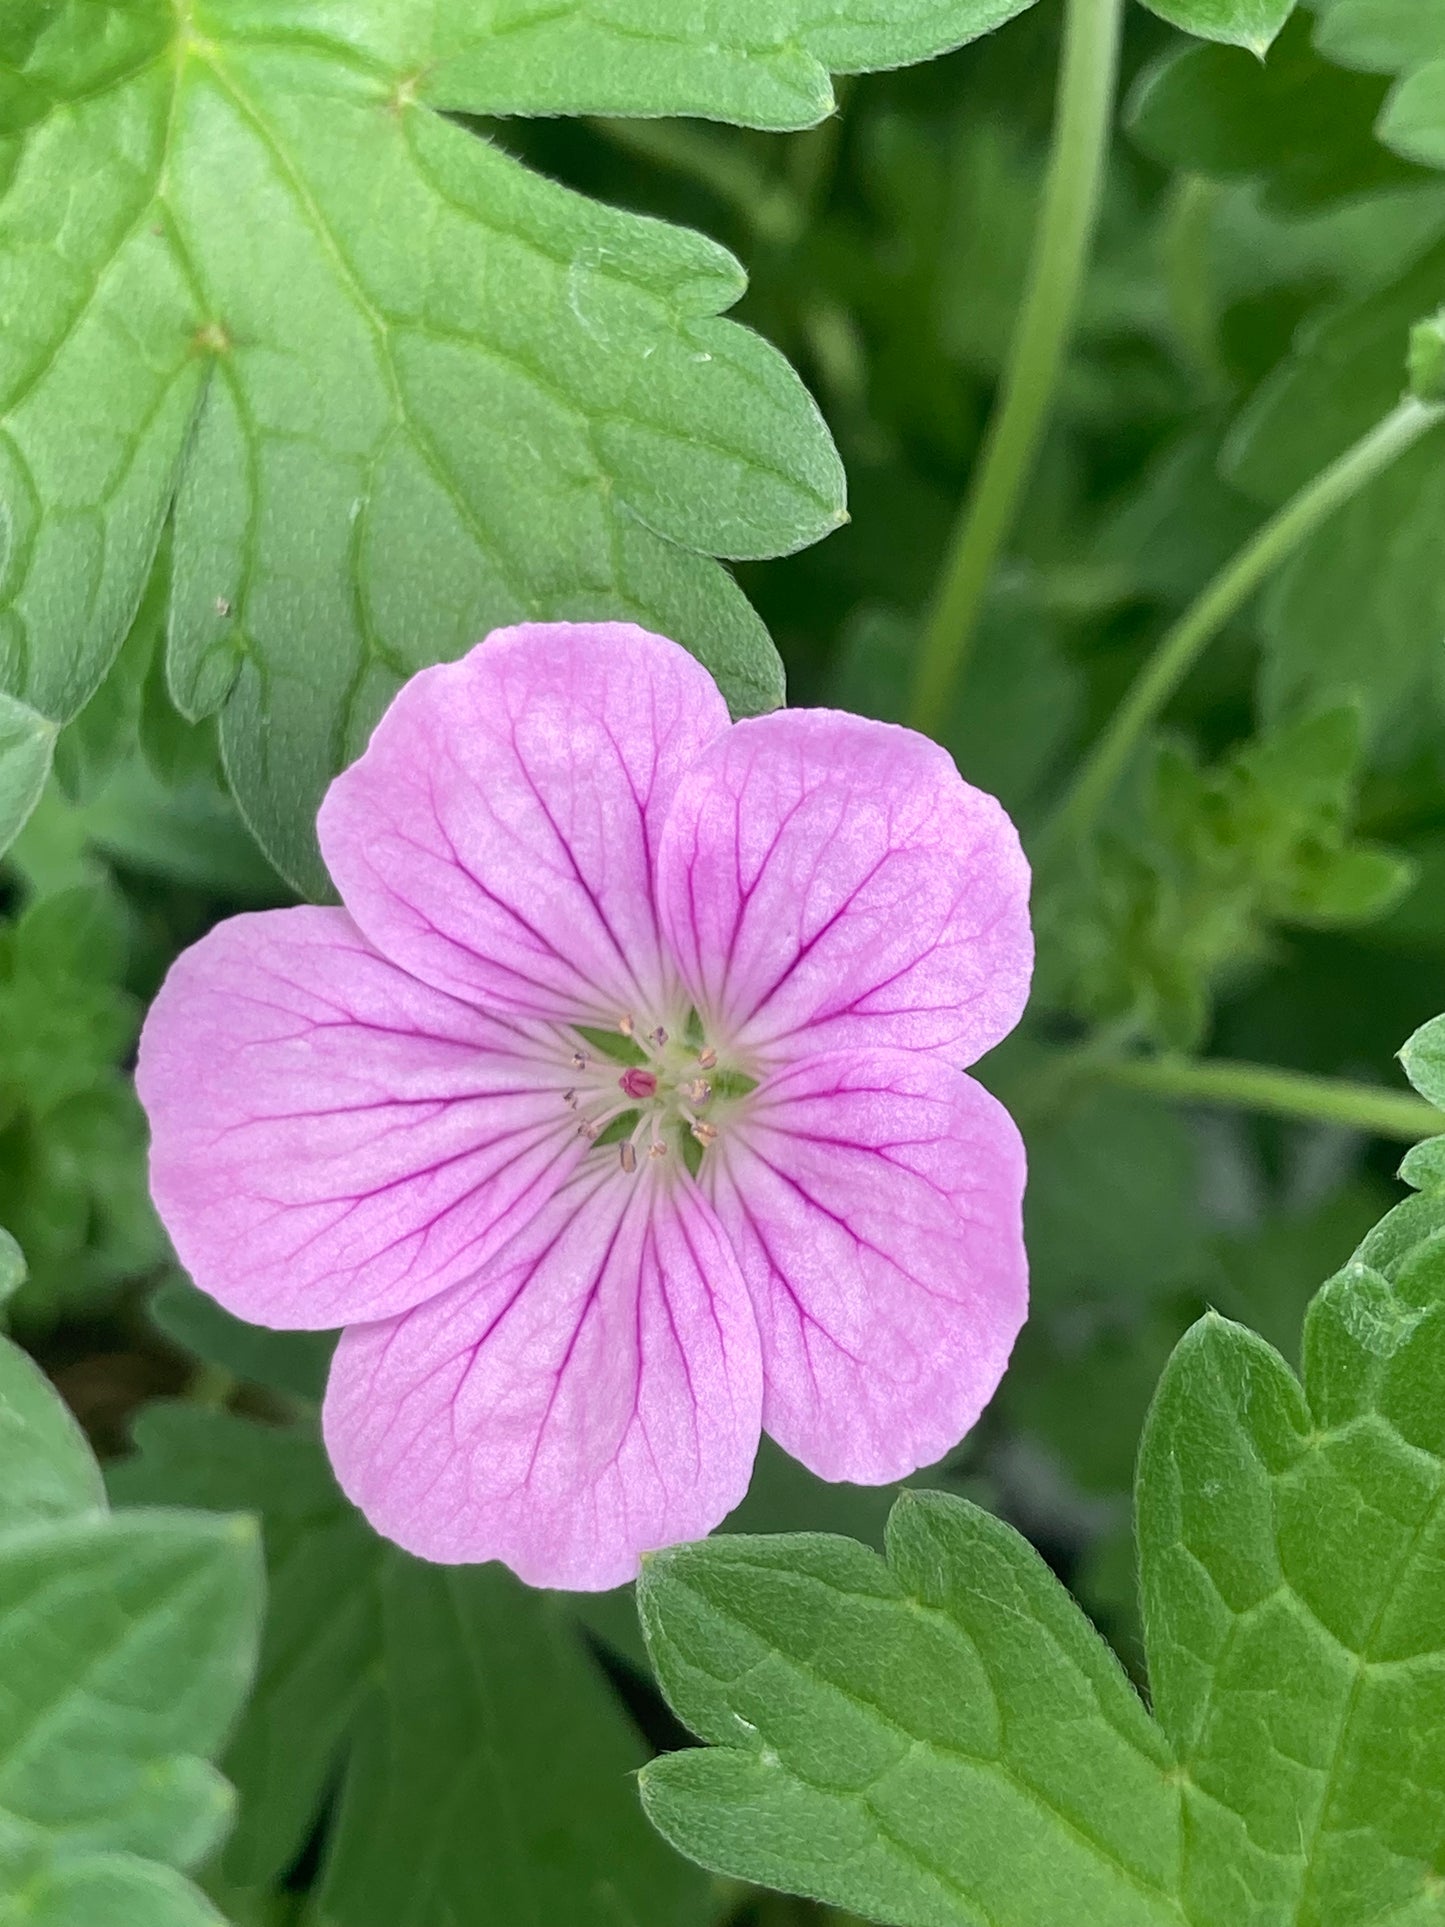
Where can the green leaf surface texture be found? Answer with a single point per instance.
(390, 388)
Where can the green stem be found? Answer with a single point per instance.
(1292, 1094)
(1073, 188)
(1181, 647)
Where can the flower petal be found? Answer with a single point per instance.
(875, 1205)
(833, 883)
(496, 837)
(331, 1140)
(594, 1395)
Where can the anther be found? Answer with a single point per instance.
(698, 1091)
(705, 1133)
(569, 1098)
(657, 1150)
(707, 1059)
(579, 1062)
(658, 1037)
(626, 1026)
(629, 1157)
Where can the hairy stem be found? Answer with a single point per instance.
(1292, 1094)
(1083, 122)
(1182, 646)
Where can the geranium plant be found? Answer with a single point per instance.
(721, 799)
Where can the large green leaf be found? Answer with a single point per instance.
(392, 387)
(938, 1740)
(1404, 38)
(1292, 1540)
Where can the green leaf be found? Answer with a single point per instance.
(295, 1364)
(1291, 1542)
(12, 1269)
(1423, 1058)
(1381, 36)
(1303, 127)
(49, 1470)
(1195, 867)
(27, 744)
(493, 1780)
(127, 1648)
(322, 1635)
(378, 439)
(98, 1890)
(63, 1020)
(1239, 23)
(1413, 122)
(889, 1737)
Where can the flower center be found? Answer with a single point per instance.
(654, 1093)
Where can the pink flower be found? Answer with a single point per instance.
(620, 1113)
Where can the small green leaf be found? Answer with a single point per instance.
(12, 1270)
(97, 1890)
(1423, 1058)
(1239, 23)
(1381, 36)
(613, 1044)
(1426, 359)
(49, 1470)
(1413, 122)
(890, 1737)
(27, 744)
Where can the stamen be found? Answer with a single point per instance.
(657, 1150)
(628, 1154)
(658, 1037)
(705, 1133)
(569, 1098)
(626, 1026)
(707, 1059)
(579, 1062)
(698, 1091)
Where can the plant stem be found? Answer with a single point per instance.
(1292, 1094)
(1083, 122)
(1179, 649)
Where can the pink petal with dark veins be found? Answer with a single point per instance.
(593, 1395)
(497, 836)
(874, 1202)
(331, 1140)
(829, 883)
